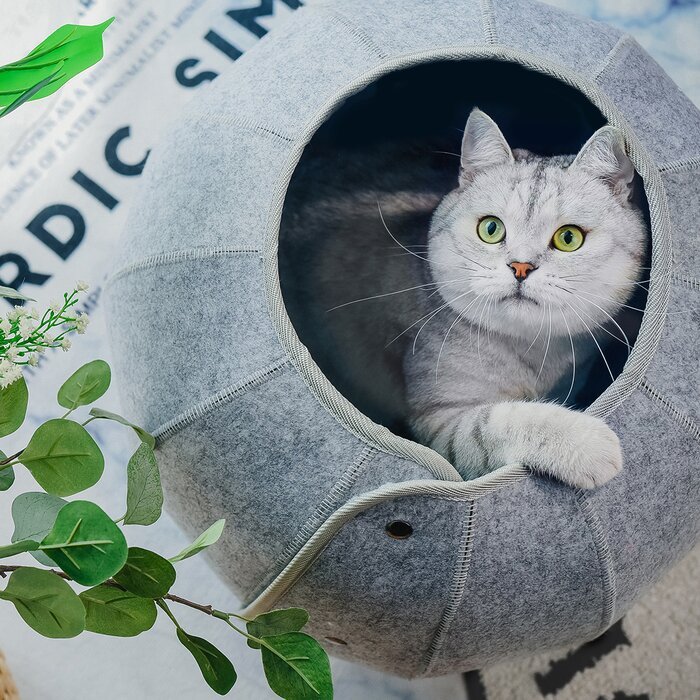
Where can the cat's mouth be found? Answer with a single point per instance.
(519, 296)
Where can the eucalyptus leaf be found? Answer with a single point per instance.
(45, 602)
(11, 550)
(206, 539)
(63, 457)
(144, 435)
(85, 385)
(34, 514)
(144, 493)
(217, 670)
(73, 48)
(109, 610)
(7, 475)
(146, 574)
(13, 406)
(277, 622)
(302, 673)
(11, 293)
(86, 543)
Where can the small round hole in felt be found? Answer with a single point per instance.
(399, 529)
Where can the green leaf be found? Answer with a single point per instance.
(146, 574)
(144, 493)
(45, 602)
(34, 514)
(11, 293)
(30, 92)
(85, 385)
(63, 457)
(144, 435)
(303, 672)
(11, 550)
(276, 622)
(206, 539)
(13, 406)
(86, 543)
(70, 49)
(7, 475)
(118, 613)
(217, 670)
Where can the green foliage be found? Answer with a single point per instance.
(85, 385)
(144, 435)
(34, 514)
(146, 574)
(297, 667)
(61, 56)
(63, 457)
(144, 495)
(276, 622)
(7, 475)
(112, 611)
(206, 539)
(217, 670)
(13, 406)
(11, 550)
(86, 543)
(45, 602)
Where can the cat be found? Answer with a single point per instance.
(528, 254)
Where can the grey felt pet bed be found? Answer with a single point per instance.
(220, 348)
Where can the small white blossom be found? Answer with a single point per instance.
(15, 313)
(9, 373)
(65, 344)
(82, 286)
(81, 322)
(34, 313)
(26, 327)
(12, 353)
(5, 326)
(40, 348)
(56, 305)
(33, 360)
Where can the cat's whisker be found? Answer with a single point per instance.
(387, 294)
(448, 153)
(573, 357)
(431, 315)
(644, 311)
(460, 254)
(590, 332)
(539, 330)
(546, 348)
(479, 326)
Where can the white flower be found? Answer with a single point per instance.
(26, 327)
(33, 360)
(40, 348)
(81, 322)
(9, 373)
(56, 305)
(65, 344)
(5, 326)
(82, 286)
(15, 313)
(12, 353)
(34, 313)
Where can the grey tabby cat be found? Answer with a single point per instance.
(530, 253)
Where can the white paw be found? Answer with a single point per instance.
(588, 454)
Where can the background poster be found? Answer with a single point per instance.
(69, 166)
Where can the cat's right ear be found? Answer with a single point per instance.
(483, 145)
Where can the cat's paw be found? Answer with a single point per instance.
(589, 454)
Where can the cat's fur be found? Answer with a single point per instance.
(507, 349)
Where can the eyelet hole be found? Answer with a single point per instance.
(399, 529)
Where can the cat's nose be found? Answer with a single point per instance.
(521, 269)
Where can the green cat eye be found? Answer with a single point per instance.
(491, 229)
(568, 239)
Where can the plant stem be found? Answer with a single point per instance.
(7, 460)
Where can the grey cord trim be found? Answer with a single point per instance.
(488, 21)
(692, 282)
(685, 165)
(177, 256)
(611, 56)
(671, 409)
(659, 288)
(305, 557)
(459, 582)
(222, 397)
(607, 567)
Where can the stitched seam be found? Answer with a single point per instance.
(177, 256)
(681, 166)
(330, 503)
(459, 582)
(691, 282)
(342, 20)
(605, 561)
(167, 430)
(488, 21)
(246, 123)
(611, 56)
(678, 416)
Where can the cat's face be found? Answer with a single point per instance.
(527, 241)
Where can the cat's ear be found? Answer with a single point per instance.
(483, 145)
(604, 157)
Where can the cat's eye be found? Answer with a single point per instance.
(491, 229)
(568, 239)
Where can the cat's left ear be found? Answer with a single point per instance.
(604, 157)
(483, 145)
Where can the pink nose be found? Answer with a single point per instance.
(521, 269)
